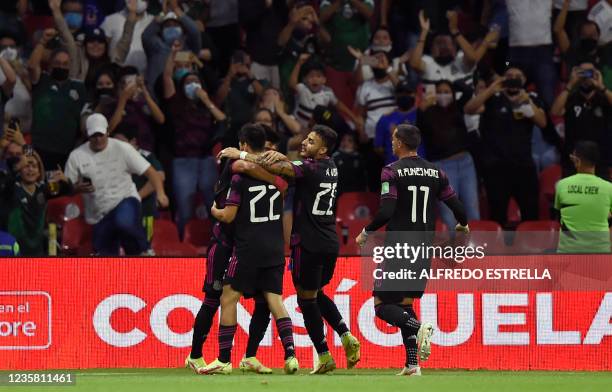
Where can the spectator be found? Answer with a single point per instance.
(445, 62)
(576, 12)
(531, 46)
(11, 13)
(263, 22)
(29, 194)
(279, 120)
(348, 23)
(381, 42)
(72, 11)
(239, 91)
(137, 107)
(405, 97)
(441, 121)
(56, 104)
(146, 190)
(104, 97)
(125, 29)
(193, 116)
(19, 106)
(585, 49)
(224, 30)
(601, 13)
(586, 106)
(400, 17)
(506, 128)
(313, 90)
(8, 245)
(8, 79)
(375, 98)
(177, 31)
(101, 169)
(301, 35)
(352, 175)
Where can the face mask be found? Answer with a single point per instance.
(9, 53)
(405, 102)
(74, 20)
(380, 48)
(180, 73)
(172, 34)
(191, 89)
(444, 60)
(444, 100)
(587, 45)
(379, 73)
(513, 92)
(105, 92)
(586, 87)
(60, 74)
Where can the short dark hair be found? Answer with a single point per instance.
(587, 151)
(328, 135)
(589, 22)
(271, 135)
(409, 135)
(57, 51)
(253, 135)
(127, 129)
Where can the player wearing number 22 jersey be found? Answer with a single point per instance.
(410, 188)
(314, 243)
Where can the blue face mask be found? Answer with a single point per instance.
(172, 34)
(180, 73)
(191, 89)
(74, 20)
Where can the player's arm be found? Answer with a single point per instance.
(232, 202)
(257, 172)
(449, 197)
(274, 163)
(388, 202)
(225, 215)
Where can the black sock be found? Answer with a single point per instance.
(399, 317)
(314, 323)
(285, 331)
(258, 326)
(202, 324)
(410, 344)
(226, 341)
(330, 313)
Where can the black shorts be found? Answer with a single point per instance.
(216, 263)
(249, 279)
(311, 271)
(395, 297)
(395, 291)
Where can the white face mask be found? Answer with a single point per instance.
(9, 54)
(380, 48)
(444, 100)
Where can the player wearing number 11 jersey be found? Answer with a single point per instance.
(314, 243)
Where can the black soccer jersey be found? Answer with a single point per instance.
(258, 227)
(314, 205)
(417, 185)
(222, 232)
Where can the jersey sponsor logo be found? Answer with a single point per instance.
(418, 171)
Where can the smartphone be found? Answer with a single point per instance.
(14, 124)
(86, 180)
(587, 73)
(130, 79)
(369, 60)
(184, 56)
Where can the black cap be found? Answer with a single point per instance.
(95, 35)
(405, 87)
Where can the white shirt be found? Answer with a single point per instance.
(110, 171)
(307, 101)
(20, 104)
(457, 70)
(113, 28)
(378, 99)
(575, 5)
(368, 74)
(530, 22)
(601, 13)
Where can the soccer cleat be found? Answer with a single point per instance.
(252, 364)
(195, 364)
(352, 349)
(413, 371)
(424, 340)
(326, 364)
(216, 367)
(291, 365)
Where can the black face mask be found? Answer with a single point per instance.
(588, 45)
(444, 60)
(379, 73)
(513, 92)
(105, 92)
(405, 102)
(586, 87)
(59, 74)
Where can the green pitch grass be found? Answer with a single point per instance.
(152, 380)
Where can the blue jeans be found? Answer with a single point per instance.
(122, 226)
(461, 175)
(537, 64)
(190, 175)
(543, 153)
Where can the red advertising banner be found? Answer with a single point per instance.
(105, 313)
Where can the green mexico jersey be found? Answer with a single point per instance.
(585, 203)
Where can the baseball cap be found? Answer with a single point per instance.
(405, 87)
(96, 123)
(95, 35)
(169, 16)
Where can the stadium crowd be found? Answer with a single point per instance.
(95, 94)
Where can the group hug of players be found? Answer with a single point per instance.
(246, 256)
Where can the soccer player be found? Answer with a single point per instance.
(257, 263)
(218, 257)
(314, 243)
(410, 187)
(585, 202)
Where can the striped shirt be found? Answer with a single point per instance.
(307, 101)
(378, 99)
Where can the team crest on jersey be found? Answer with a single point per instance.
(384, 188)
(297, 163)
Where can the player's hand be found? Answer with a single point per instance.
(271, 157)
(162, 200)
(230, 152)
(462, 229)
(361, 239)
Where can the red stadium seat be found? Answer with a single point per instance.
(548, 179)
(198, 233)
(487, 232)
(484, 225)
(514, 213)
(347, 232)
(76, 238)
(357, 205)
(175, 249)
(536, 236)
(61, 209)
(164, 231)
